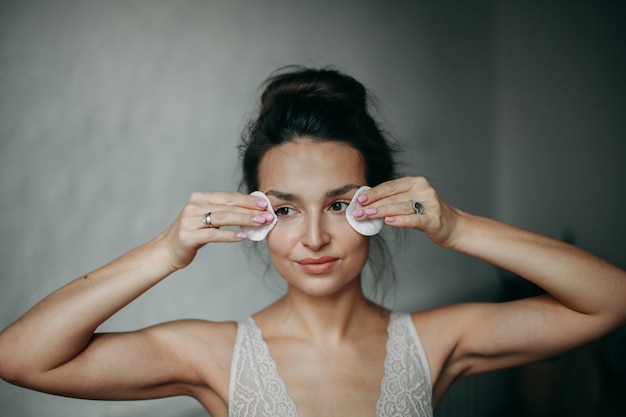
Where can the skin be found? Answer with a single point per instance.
(323, 324)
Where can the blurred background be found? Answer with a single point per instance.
(113, 112)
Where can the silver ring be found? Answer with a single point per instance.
(418, 207)
(207, 219)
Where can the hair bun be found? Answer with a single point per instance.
(325, 85)
(318, 104)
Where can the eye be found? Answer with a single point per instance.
(339, 206)
(284, 211)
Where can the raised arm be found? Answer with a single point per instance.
(586, 295)
(53, 348)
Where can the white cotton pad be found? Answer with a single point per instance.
(260, 232)
(365, 227)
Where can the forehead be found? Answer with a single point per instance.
(305, 163)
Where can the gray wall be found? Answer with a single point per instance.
(559, 111)
(113, 112)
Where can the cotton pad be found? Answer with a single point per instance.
(260, 232)
(365, 227)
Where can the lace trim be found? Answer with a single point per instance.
(406, 387)
(256, 388)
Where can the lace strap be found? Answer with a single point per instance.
(406, 387)
(256, 389)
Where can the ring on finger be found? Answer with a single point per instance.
(418, 207)
(206, 220)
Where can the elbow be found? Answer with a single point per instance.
(14, 369)
(9, 372)
(11, 378)
(15, 374)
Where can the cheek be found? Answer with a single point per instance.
(346, 234)
(281, 238)
(359, 245)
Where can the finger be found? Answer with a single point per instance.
(232, 218)
(412, 220)
(393, 191)
(403, 208)
(215, 235)
(381, 191)
(234, 200)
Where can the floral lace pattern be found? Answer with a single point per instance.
(256, 389)
(406, 388)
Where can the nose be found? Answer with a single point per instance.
(316, 234)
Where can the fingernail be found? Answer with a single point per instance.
(258, 219)
(358, 212)
(261, 203)
(371, 210)
(362, 198)
(268, 217)
(390, 219)
(242, 236)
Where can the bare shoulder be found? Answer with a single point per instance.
(441, 330)
(198, 337)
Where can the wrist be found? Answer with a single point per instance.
(453, 228)
(163, 257)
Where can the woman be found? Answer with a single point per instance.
(323, 348)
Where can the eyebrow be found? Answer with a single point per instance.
(329, 194)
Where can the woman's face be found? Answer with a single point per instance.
(310, 185)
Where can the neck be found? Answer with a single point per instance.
(328, 319)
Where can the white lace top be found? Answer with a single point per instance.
(256, 389)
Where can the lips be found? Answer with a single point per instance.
(318, 266)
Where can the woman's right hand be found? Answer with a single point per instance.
(188, 233)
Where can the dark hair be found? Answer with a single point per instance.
(325, 105)
(320, 104)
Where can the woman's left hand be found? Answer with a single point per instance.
(394, 200)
